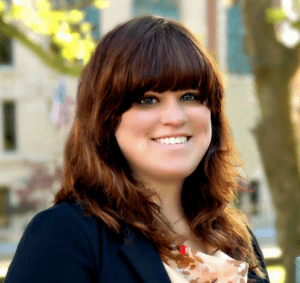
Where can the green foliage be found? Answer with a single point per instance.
(275, 15)
(296, 25)
(101, 4)
(69, 36)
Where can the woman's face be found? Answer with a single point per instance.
(164, 136)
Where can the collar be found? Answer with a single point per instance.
(143, 257)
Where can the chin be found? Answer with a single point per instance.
(176, 173)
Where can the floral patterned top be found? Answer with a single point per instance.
(197, 267)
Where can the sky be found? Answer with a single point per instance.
(290, 36)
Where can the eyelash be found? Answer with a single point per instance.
(148, 98)
(152, 97)
(191, 94)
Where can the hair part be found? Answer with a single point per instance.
(156, 54)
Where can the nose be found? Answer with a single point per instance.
(173, 113)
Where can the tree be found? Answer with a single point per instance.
(70, 37)
(36, 192)
(274, 67)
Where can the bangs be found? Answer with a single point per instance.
(170, 59)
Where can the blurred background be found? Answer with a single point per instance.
(43, 48)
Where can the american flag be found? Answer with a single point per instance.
(62, 103)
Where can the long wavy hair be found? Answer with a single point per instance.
(157, 54)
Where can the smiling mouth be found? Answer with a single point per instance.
(173, 140)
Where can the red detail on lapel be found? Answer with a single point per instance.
(182, 249)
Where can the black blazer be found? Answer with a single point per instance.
(61, 245)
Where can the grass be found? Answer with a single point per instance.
(276, 273)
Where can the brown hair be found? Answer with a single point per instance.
(157, 54)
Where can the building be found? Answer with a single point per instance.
(29, 137)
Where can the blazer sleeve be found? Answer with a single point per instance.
(259, 254)
(53, 248)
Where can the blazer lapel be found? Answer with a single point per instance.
(142, 255)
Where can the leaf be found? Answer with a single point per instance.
(43, 5)
(101, 4)
(86, 27)
(296, 25)
(275, 15)
(68, 31)
(76, 16)
(2, 6)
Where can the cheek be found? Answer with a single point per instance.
(134, 125)
(145, 131)
(202, 121)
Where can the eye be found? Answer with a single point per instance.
(148, 100)
(189, 97)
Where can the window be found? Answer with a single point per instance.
(9, 125)
(92, 15)
(240, 194)
(254, 197)
(3, 207)
(164, 8)
(5, 50)
(238, 61)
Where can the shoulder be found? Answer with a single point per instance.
(66, 209)
(65, 219)
(65, 224)
(261, 259)
(60, 238)
(66, 212)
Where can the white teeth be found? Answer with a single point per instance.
(172, 140)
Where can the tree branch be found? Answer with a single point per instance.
(78, 5)
(51, 61)
(262, 42)
(260, 35)
(296, 54)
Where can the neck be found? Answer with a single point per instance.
(170, 195)
(170, 204)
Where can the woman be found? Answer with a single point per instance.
(149, 172)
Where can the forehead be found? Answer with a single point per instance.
(178, 92)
